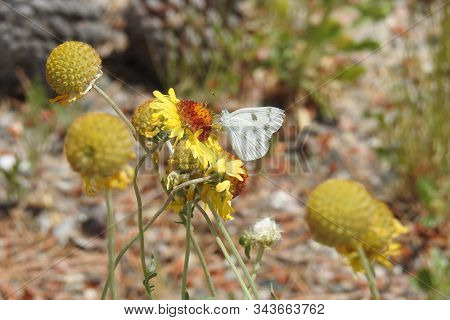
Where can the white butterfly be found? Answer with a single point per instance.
(250, 130)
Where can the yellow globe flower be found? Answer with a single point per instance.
(71, 70)
(99, 147)
(342, 214)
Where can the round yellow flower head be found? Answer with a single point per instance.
(71, 70)
(98, 146)
(342, 214)
(142, 120)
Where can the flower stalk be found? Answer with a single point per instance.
(152, 220)
(203, 264)
(258, 260)
(184, 294)
(140, 223)
(223, 230)
(111, 243)
(233, 267)
(368, 272)
(116, 109)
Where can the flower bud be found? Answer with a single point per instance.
(71, 70)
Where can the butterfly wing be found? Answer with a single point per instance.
(250, 130)
(250, 145)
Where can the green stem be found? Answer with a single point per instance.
(368, 271)
(208, 220)
(116, 109)
(224, 250)
(111, 243)
(187, 252)
(233, 267)
(258, 259)
(156, 215)
(133, 240)
(235, 252)
(203, 263)
(140, 222)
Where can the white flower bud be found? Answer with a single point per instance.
(266, 232)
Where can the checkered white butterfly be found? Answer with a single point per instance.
(250, 130)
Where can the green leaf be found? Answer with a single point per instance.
(247, 251)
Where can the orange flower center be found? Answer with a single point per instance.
(195, 116)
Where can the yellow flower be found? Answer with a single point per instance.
(223, 186)
(199, 150)
(232, 168)
(142, 120)
(120, 180)
(219, 198)
(213, 144)
(71, 70)
(165, 107)
(98, 146)
(342, 214)
(184, 118)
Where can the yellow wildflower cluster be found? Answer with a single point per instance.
(197, 152)
(342, 214)
(98, 146)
